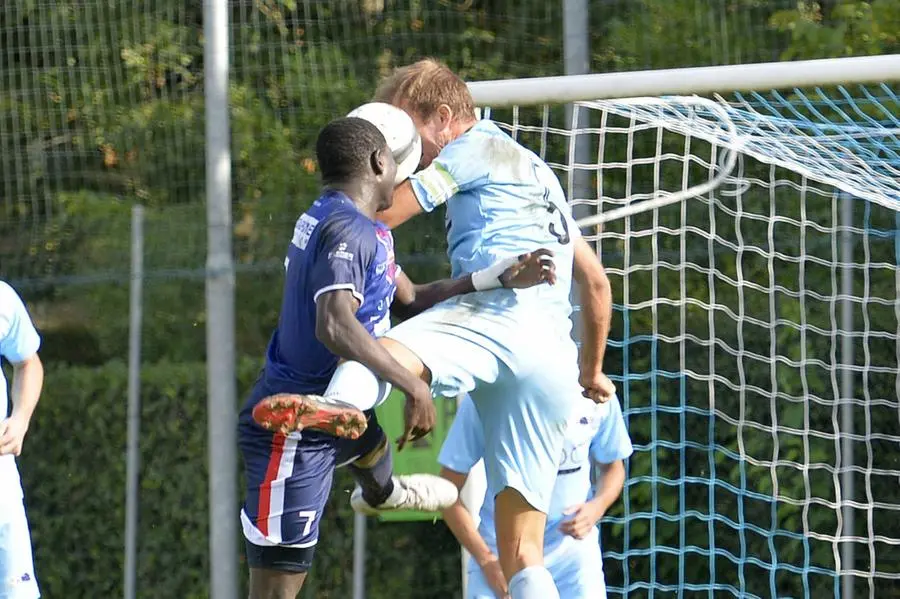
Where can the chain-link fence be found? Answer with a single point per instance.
(102, 108)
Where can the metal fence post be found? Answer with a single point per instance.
(220, 356)
(359, 556)
(577, 61)
(133, 443)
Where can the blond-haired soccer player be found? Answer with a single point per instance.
(510, 349)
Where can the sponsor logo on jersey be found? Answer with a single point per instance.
(303, 230)
(341, 253)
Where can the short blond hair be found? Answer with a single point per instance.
(423, 86)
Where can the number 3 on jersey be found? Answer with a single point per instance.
(562, 237)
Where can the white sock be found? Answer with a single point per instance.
(533, 582)
(396, 495)
(355, 385)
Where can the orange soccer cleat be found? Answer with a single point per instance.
(288, 413)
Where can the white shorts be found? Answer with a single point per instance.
(577, 570)
(17, 579)
(523, 395)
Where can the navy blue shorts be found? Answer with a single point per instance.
(288, 479)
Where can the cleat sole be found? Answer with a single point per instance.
(287, 413)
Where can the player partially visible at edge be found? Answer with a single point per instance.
(19, 343)
(341, 281)
(596, 434)
(510, 349)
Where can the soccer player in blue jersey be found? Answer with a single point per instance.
(341, 283)
(596, 435)
(19, 344)
(510, 349)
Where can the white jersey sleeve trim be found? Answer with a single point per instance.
(347, 286)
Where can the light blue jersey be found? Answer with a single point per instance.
(596, 434)
(502, 200)
(18, 341)
(510, 350)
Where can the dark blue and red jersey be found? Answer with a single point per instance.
(288, 477)
(334, 247)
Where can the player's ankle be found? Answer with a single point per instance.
(376, 497)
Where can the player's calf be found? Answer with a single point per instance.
(379, 490)
(287, 413)
(374, 473)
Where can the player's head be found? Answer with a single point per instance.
(438, 101)
(353, 151)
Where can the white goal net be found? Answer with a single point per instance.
(752, 241)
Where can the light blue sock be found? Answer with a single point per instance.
(533, 582)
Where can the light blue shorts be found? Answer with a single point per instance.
(17, 580)
(523, 394)
(577, 570)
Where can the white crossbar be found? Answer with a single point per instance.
(700, 80)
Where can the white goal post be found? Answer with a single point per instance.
(752, 236)
(695, 80)
(630, 91)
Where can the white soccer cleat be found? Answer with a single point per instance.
(413, 492)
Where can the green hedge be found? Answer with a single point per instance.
(73, 471)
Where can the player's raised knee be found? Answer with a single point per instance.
(406, 357)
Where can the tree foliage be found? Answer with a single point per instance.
(75, 493)
(102, 107)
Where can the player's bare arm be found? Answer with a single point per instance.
(461, 524)
(533, 268)
(596, 314)
(28, 379)
(405, 206)
(339, 330)
(610, 480)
